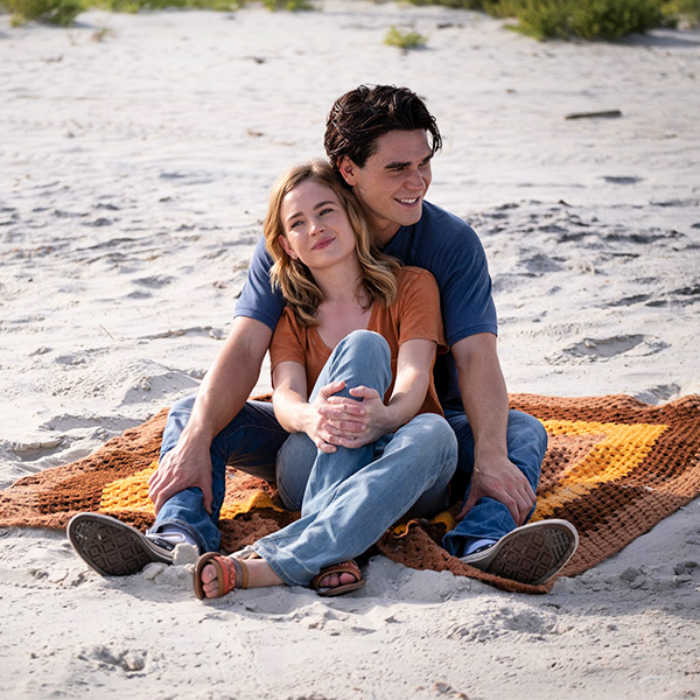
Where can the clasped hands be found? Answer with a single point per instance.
(340, 421)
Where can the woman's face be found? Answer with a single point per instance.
(316, 227)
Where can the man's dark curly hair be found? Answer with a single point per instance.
(362, 115)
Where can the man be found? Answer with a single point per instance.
(381, 140)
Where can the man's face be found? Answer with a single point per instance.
(393, 181)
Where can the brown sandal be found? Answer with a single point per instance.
(344, 567)
(230, 574)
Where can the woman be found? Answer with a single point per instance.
(357, 343)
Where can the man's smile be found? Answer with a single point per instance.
(408, 201)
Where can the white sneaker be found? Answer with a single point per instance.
(532, 553)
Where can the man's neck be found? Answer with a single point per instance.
(382, 231)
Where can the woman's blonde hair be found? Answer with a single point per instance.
(293, 277)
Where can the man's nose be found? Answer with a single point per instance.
(415, 181)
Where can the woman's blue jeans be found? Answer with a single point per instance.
(347, 498)
(354, 494)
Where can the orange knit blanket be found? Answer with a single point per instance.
(614, 468)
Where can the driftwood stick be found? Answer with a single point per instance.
(605, 114)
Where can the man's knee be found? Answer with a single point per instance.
(524, 429)
(181, 411)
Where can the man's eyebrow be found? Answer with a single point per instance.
(398, 164)
(316, 206)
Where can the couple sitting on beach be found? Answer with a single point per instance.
(365, 425)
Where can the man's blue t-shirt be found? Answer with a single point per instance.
(439, 242)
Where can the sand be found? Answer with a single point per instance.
(135, 161)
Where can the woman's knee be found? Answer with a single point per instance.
(369, 345)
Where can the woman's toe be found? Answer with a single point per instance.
(335, 580)
(208, 574)
(210, 584)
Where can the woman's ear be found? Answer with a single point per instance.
(287, 248)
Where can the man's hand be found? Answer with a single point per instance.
(186, 465)
(500, 479)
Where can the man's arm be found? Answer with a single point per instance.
(221, 396)
(485, 400)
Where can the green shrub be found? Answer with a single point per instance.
(291, 5)
(219, 5)
(61, 12)
(611, 19)
(686, 10)
(404, 40)
(136, 5)
(586, 19)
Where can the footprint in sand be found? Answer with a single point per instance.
(622, 179)
(155, 281)
(593, 349)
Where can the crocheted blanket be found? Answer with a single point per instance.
(614, 468)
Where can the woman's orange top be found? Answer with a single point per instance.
(415, 314)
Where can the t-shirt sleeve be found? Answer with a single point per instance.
(257, 299)
(465, 285)
(288, 344)
(419, 307)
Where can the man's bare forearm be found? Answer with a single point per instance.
(230, 380)
(485, 402)
(484, 396)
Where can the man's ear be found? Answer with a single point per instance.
(348, 170)
(287, 248)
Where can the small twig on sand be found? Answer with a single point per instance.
(606, 114)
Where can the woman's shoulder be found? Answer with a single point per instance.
(289, 323)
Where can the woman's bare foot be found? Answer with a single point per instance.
(259, 574)
(338, 579)
(335, 580)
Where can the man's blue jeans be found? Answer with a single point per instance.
(349, 497)
(527, 442)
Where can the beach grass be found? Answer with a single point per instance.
(64, 12)
(404, 40)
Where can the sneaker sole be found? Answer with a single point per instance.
(532, 553)
(109, 546)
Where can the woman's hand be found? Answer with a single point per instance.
(357, 421)
(318, 424)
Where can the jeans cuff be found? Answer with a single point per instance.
(156, 527)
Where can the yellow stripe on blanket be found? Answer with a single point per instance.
(618, 450)
(130, 493)
(615, 450)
